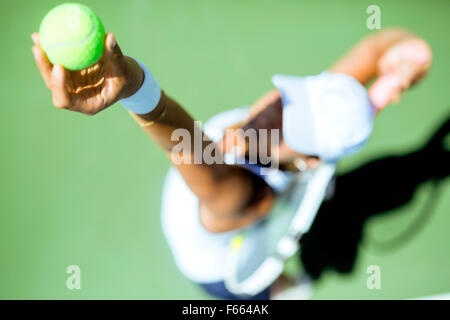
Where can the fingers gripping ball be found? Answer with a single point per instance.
(72, 35)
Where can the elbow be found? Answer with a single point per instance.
(215, 223)
(218, 221)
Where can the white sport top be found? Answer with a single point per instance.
(200, 255)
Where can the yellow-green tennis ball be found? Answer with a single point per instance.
(72, 35)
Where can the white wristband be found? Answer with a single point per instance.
(147, 96)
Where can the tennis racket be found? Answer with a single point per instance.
(258, 254)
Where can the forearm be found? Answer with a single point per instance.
(362, 60)
(163, 120)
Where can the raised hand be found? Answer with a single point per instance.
(93, 89)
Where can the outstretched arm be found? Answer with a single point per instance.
(396, 53)
(361, 61)
(230, 196)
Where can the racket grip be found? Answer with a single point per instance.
(383, 90)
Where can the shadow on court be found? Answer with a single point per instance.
(373, 189)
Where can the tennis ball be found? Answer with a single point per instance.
(72, 35)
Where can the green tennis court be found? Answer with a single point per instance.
(86, 191)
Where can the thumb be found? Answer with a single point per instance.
(113, 54)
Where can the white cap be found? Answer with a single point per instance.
(328, 115)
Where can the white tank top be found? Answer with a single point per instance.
(201, 255)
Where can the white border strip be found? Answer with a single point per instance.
(442, 296)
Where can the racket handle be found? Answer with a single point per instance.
(383, 90)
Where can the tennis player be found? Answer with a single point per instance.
(320, 118)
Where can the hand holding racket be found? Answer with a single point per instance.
(400, 67)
